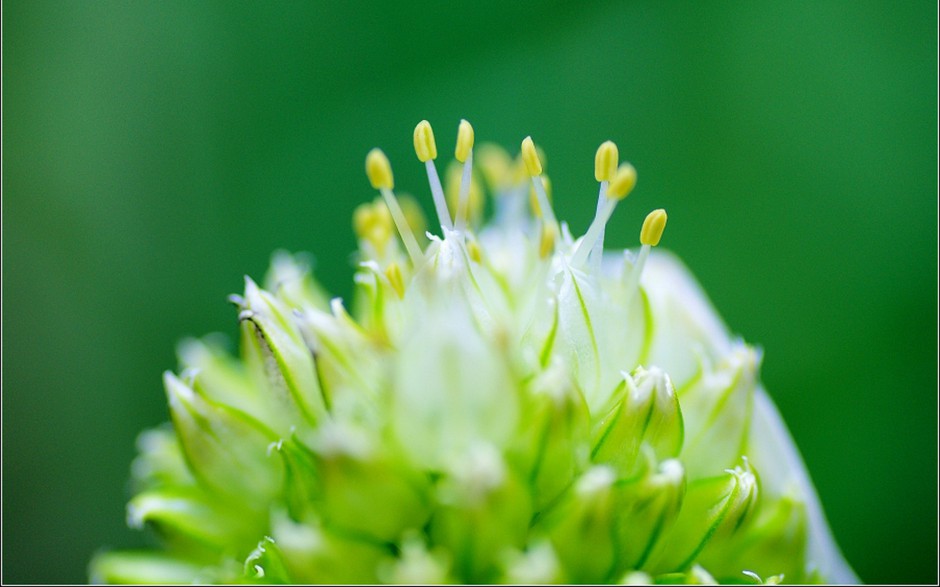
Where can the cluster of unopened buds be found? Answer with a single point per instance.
(503, 402)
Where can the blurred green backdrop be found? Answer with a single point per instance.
(154, 152)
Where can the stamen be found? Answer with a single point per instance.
(454, 182)
(475, 252)
(426, 150)
(618, 189)
(605, 161)
(393, 272)
(652, 231)
(534, 166)
(464, 153)
(531, 157)
(547, 240)
(372, 223)
(379, 171)
(605, 167)
(534, 197)
(653, 227)
(414, 215)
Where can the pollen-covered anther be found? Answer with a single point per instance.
(605, 161)
(653, 227)
(464, 154)
(425, 147)
(426, 150)
(379, 170)
(533, 165)
(622, 182)
(373, 224)
(464, 141)
(531, 157)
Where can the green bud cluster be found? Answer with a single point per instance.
(488, 414)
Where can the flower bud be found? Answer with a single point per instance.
(581, 528)
(719, 406)
(363, 491)
(714, 509)
(225, 448)
(312, 553)
(484, 511)
(646, 413)
(276, 352)
(648, 506)
(554, 440)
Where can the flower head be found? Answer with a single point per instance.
(503, 402)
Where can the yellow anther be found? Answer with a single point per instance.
(425, 147)
(605, 161)
(414, 215)
(363, 219)
(452, 179)
(531, 157)
(475, 252)
(495, 163)
(622, 183)
(547, 240)
(379, 170)
(653, 227)
(534, 198)
(464, 141)
(393, 272)
(372, 222)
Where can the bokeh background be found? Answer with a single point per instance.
(155, 152)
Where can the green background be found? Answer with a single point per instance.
(155, 152)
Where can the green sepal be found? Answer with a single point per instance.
(718, 411)
(714, 509)
(275, 347)
(370, 493)
(483, 511)
(646, 413)
(160, 461)
(774, 544)
(581, 527)
(348, 365)
(302, 486)
(315, 554)
(189, 519)
(223, 379)
(265, 564)
(146, 568)
(225, 449)
(647, 507)
(552, 444)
